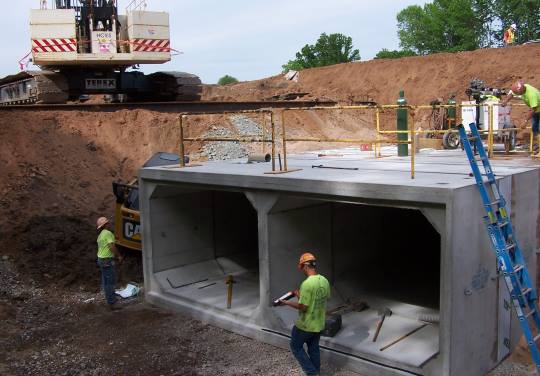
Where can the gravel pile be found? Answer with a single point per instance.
(244, 127)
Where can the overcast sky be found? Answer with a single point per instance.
(248, 39)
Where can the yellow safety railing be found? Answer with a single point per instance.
(376, 143)
(490, 132)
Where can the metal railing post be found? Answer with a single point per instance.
(413, 144)
(284, 140)
(182, 151)
(273, 126)
(378, 122)
(490, 130)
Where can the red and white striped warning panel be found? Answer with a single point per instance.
(151, 45)
(54, 45)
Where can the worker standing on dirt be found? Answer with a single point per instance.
(105, 258)
(312, 297)
(510, 35)
(531, 96)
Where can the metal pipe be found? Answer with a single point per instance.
(263, 133)
(224, 139)
(259, 158)
(344, 140)
(182, 151)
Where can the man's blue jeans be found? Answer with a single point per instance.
(108, 278)
(310, 361)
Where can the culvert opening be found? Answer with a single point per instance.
(199, 239)
(387, 257)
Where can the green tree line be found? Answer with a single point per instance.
(462, 25)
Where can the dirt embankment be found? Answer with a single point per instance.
(423, 78)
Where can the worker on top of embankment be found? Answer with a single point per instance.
(312, 297)
(105, 258)
(510, 35)
(531, 96)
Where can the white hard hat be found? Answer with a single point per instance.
(513, 26)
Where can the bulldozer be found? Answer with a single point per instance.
(127, 218)
(86, 47)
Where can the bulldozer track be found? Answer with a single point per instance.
(170, 107)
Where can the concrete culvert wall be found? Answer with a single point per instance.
(387, 257)
(204, 236)
(390, 252)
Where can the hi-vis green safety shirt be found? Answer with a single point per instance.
(531, 97)
(104, 239)
(314, 292)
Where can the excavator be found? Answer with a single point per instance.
(86, 47)
(127, 217)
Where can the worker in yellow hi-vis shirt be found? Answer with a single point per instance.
(105, 258)
(312, 297)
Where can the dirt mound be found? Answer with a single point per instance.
(58, 252)
(423, 78)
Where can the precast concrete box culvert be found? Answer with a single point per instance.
(221, 241)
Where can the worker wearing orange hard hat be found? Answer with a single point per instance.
(510, 35)
(312, 297)
(106, 260)
(531, 97)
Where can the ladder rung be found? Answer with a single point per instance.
(526, 291)
(502, 224)
(536, 338)
(496, 202)
(530, 313)
(510, 247)
(518, 268)
(472, 138)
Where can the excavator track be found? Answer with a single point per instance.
(178, 86)
(33, 87)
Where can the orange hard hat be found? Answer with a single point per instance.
(518, 87)
(305, 258)
(102, 221)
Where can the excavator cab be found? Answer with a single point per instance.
(127, 218)
(127, 224)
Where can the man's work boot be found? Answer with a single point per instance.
(114, 307)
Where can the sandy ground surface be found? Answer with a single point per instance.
(55, 179)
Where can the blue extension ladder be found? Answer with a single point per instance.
(510, 259)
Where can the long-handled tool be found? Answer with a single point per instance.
(385, 312)
(354, 306)
(335, 168)
(402, 337)
(229, 281)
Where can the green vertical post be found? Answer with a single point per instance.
(451, 113)
(402, 125)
